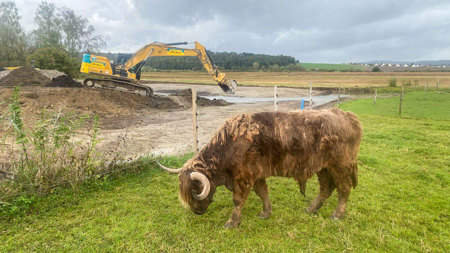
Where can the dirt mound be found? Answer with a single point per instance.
(24, 76)
(64, 81)
(51, 73)
(186, 99)
(106, 104)
(4, 73)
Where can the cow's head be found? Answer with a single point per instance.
(196, 190)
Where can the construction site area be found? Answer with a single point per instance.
(137, 125)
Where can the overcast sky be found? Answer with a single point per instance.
(311, 31)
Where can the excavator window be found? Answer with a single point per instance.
(122, 58)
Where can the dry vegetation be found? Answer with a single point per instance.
(302, 79)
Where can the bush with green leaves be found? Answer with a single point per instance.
(55, 58)
(376, 69)
(47, 155)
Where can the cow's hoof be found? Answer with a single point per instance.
(337, 216)
(310, 210)
(264, 215)
(231, 224)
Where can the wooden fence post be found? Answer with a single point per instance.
(401, 100)
(275, 98)
(375, 97)
(194, 119)
(339, 96)
(426, 88)
(310, 95)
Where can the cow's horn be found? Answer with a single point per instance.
(175, 171)
(205, 183)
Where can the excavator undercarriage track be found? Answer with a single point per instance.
(113, 84)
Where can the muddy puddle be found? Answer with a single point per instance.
(318, 100)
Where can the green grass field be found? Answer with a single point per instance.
(330, 67)
(401, 203)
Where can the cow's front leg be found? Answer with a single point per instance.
(239, 198)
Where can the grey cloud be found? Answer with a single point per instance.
(312, 31)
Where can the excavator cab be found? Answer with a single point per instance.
(118, 65)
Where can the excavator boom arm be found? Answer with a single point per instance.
(161, 49)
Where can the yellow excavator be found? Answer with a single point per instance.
(126, 71)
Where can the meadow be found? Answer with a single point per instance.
(331, 67)
(400, 204)
(302, 79)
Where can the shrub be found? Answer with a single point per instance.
(47, 156)
(55, 58)
(393, 82)
(376, 69)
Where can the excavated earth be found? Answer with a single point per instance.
(24, 76)
(64, 81)
(185, 98)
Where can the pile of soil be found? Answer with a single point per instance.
(186, 99)
(161, 102)
(51, 73)
(24, 76)
(4, 73)
(64, 81)
(109, 106)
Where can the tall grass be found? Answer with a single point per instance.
(46, 155)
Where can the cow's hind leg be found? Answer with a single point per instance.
(343, 188)
(326, 188)
(261, 190)
(240, 195)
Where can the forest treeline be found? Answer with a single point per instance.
(224, 60)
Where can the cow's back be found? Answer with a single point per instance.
(299, 144)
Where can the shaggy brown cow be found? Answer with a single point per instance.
(251, 147)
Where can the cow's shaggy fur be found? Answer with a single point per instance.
(248, 148)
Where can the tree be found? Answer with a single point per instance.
(78, 35)
(376, 69)
(12, 37)
(55, 58)
(62, 27)
(48, 33)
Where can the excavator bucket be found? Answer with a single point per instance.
(229, 86)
